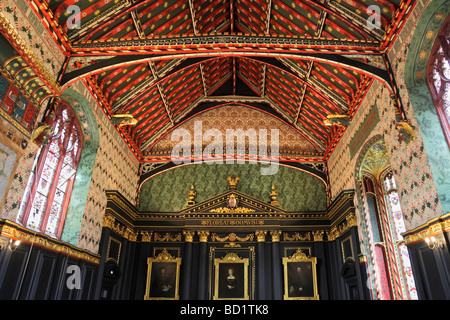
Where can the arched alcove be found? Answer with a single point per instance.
(84, 173)
(380, 213)
(437, 149)
(297, 190)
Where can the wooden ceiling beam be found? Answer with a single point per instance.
(269, 17)
(137, 23)
(331, 8)
(202, 73)
(194, 22)
(161, 91)
(221, 42)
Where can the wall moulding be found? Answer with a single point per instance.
(431, 228)
(15, 231)
(123, 219)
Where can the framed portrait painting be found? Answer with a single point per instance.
(163, 276)
(300, 278)
(231, 278)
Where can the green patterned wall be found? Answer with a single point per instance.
(430, 128)
(298, 191)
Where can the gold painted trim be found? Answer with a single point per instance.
(232, 237)
(303, 249)
(205, 220)
(430, 228)
(275, 235)
(177, 249)
(351, 258)
(146, 236)
(203, 236)
(109, 221)
(318, 235)
(261, 235)
(15, 231)
(188, 236)
(297, 236)
(167, 237)
(118, 253)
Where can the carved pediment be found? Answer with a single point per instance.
(232, 202)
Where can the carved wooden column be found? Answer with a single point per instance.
(187, 265)
(202, 265)
(260, 265)
(277, 283)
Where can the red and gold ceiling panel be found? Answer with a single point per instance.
(280, 89)
(181, 90)
(252, 73)
(251, 16)
(216, 72)
(302, 90)
(211, 15)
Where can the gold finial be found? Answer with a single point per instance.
(273, 196)
(232, 181)
(191, 194)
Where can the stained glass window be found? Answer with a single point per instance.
(438, 76)
(46, 197)
(396, 216)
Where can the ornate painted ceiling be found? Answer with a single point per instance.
(167, 61)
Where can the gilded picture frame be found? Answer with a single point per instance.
(113, 251)
(231, 278)
(163, 277)
(300, 277)
(347, 250)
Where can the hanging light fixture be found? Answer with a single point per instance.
(9, 243)
(432, 242)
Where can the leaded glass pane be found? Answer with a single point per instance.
(397, 214)
(25, 197)
(407, 272)
(59, 195)
(52, 159)
(37, 211)
(54, 148)
(446, 98)
(27, 193)
(53, 219)
(46, 179)
(64, 134)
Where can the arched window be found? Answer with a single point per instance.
(382, 213)
(44, 204)
(438, 76)
(398, 226)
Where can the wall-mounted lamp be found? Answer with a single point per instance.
(432, 242)
(8, 243)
